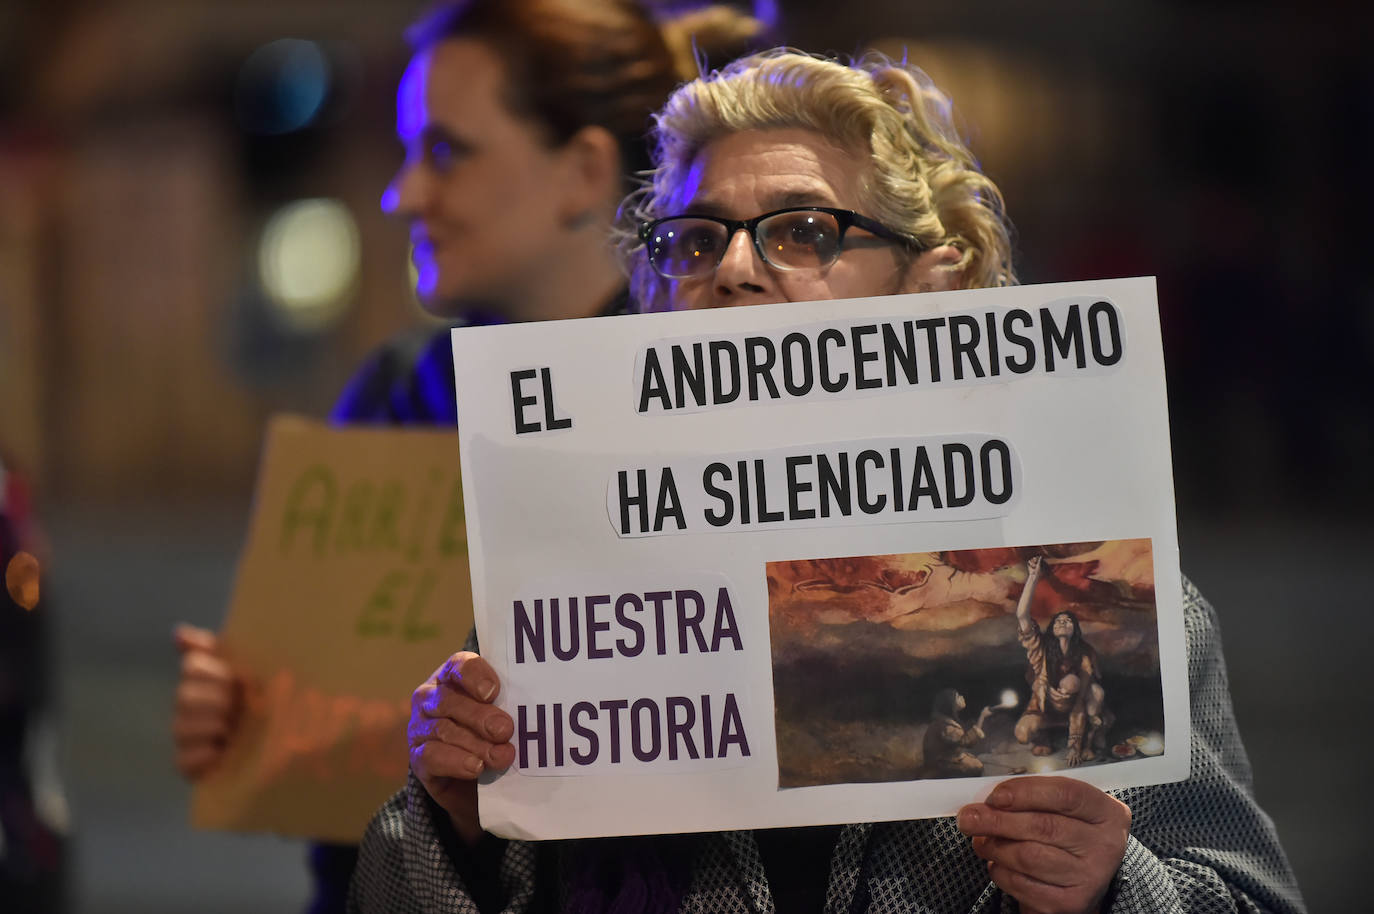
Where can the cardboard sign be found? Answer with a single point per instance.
(824, 562)
(352, 588)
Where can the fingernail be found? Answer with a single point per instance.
(486, 690)
(1000, 798)
(474, 766)
(968, 819)
(494, 727)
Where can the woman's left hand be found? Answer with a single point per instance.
(1052, 843)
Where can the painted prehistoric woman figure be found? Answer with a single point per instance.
(1065, 678)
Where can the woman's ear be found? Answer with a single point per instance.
(936, 270)
(591, 180)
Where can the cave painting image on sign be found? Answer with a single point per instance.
(968, 663)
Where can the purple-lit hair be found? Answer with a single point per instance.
(572, 64)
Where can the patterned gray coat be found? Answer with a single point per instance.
(1202, 845)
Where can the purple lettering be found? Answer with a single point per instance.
(637, 731)
(732, 728)
(586, 733)
(614, 707)
(726, 627)
(681, 729)
(620, 604)
(657, 599)
(593, 627)
(706, 736)
(557, 735)
(692, 621)
(559, 651)
(527, 631)
(576, 754)
(524, 736)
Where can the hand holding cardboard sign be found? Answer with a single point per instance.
(208, 700)
(454, 734)
(1052, 843)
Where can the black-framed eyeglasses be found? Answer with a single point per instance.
(796, 238)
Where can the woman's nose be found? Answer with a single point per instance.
(740, 269)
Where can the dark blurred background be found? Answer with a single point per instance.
(190, 240)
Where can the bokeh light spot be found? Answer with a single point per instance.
(21, 579)
(282, 86)
(308, 262)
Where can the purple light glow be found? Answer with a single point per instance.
(690, 185)
(768, 12)
(427, 277)
(411, 114)
(390, 198)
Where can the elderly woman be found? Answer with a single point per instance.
(788, 177)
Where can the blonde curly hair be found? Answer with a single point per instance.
(923, 182)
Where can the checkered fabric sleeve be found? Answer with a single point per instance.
(1201, 846)
(404, 867)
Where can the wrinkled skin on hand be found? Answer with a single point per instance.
(1052, 843)
(455, 734)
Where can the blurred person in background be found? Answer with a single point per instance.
(32, 806)
(786, 177)
(520, 120)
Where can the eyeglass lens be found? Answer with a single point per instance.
(806, 239)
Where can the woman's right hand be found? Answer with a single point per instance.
(209, 698)
(455, 734)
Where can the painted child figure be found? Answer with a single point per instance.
(946, 743)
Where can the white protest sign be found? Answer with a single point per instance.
(825, 562)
